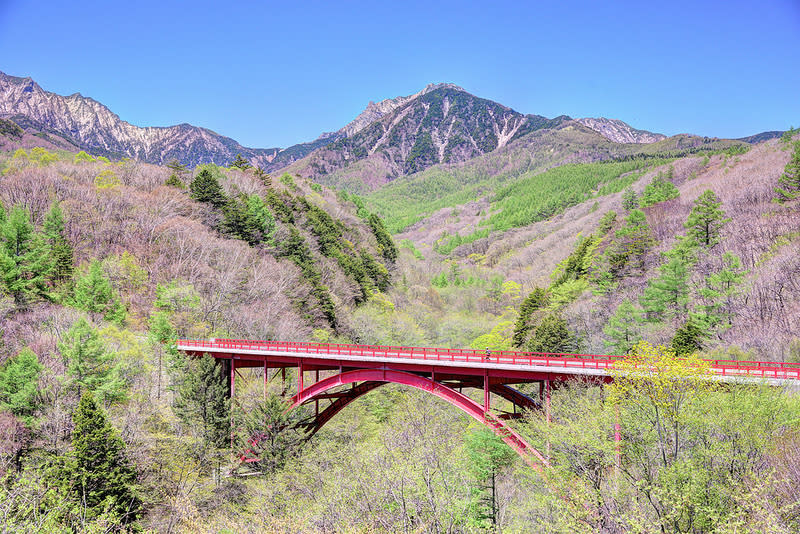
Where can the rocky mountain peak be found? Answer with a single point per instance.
(619, 132)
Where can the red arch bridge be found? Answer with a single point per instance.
(350, 371)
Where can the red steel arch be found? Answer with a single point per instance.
(459, 400)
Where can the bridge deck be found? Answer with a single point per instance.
(512, 364)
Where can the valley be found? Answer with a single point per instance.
(438, 219)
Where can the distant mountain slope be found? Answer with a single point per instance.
(620, 132)
(760, 137)
(441, 124)
(95, 128)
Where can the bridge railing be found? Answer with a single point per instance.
(565, 360)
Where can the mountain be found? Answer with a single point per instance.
(620, 132)
(761, 137)
(95, 128)
(440, 124)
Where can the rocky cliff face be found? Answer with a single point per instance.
(620, 132)
(440, 124)
(94, 127)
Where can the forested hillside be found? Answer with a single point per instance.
(105, 427)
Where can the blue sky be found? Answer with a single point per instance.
(274, 74)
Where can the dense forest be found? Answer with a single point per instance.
(106, 427)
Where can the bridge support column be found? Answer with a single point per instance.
(486, 391)
(300, 377)
(547, 415)
(233, 395)
(266, 374)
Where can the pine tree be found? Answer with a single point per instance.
(19, 384)
(629, 199)
(721, 290)
(487, 455)
(624, 328)
(526, 323)
(240, 163)
(89, 366)
(25, 258)
(93, 293)
(55, 232)
(706, 219)
(206, 188)
(552, 335)
(202, 400)
(101, 475)
(669, 292)
(789, 182)
(688, 338)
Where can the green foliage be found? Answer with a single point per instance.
(706, 219)
(239, 222)
(240, 163)
(10, 128)
(552, 334)
(202, 400)
(386, 246)
(624, 328)
(94, 294)
(174, 181)
(97, 474)
(205, 188)
(295, 248)
(629, 199)
(607, 222)
(287, 180)
(630, 244)
(787, 136)
(576, 266)
(89, 366)
(789, 182)
(722, 289)
(688, 338)
(487, 456)
(19, 380)
(543, 195)
(273, 432)
(659, 190)
(667, 294)
(26, 262)
(62, 254)
(408, 244)
(536, 300)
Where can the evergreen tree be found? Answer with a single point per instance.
(264, 176)
(202, 400)
(688, 339)
(632, 242)
(62, 253)
(93, 293)
(629, 199)
(89, 366)
(174, 181)
(487, 455)
(669, 292)
(19, 381)
(706, 219)
(526, 323)
(552, 335)
(386, 246)
(273, 432)
(206, 188)
(25, 259)
(239, 222)
(240, 163)
(721, 290)
(624, 328)
(99, 471)
(789, 182)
